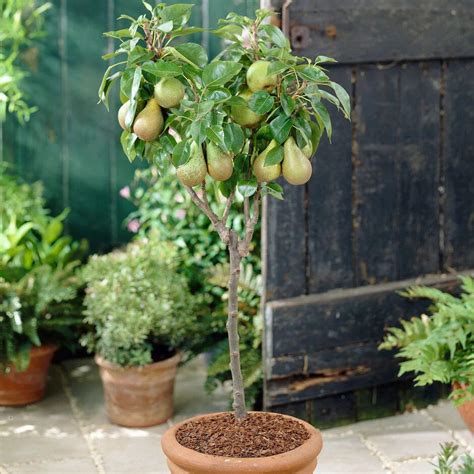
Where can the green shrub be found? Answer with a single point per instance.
(137, 304)
(164, 207)
(439, 347)
(21, 22)
(39, 294)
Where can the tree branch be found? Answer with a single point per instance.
(250, 222)
(203, 204)
(228, 205)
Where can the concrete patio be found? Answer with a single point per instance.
(68, 432)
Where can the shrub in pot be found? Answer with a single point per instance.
(240, 121)
(140, 316)
(439, 347)
(40, 303)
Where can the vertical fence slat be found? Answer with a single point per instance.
(330, 205)
(459, 162)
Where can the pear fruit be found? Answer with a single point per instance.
(149, 122)
(169, 92)
(194, 171)
(296, 167)
(122, 113)
(258, 78)
(244, 115)
(266, 173)
(219, 164)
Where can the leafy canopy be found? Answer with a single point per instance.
(152, 48)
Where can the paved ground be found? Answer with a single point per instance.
(68, 432)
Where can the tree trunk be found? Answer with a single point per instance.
(232, 328)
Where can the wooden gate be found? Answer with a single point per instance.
(390, 201)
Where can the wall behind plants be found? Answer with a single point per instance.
(72, 144)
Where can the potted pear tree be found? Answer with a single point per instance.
(252, 114)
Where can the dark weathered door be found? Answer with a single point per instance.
(392, 199)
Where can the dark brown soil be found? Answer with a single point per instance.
(259, 435)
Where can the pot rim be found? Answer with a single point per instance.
(182, 456)
(162, 364)
(43, 349)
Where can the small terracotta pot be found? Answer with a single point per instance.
(22, 388)
(466, 410)
(302, 460)
(139, 396)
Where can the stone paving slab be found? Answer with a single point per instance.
(68, 432)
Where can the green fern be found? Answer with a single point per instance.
(438, 347)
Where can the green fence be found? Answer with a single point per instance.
(72, 144)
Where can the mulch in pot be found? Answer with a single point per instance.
(259, 435)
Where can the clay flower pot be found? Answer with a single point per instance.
(466, 410)
(302, 460)
(22, 388)
(139, 396)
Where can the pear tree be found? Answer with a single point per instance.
(236, 123)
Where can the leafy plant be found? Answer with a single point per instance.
(21, 23)
(39, 294)
(137, 304)
(439, 347)
(252, 114)
(448, 461)
(41, 307)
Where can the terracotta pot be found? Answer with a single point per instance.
(22, 388)
(466, 410)
(139, 396)
(301, 460)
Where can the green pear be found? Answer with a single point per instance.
(194, 171)
(243, 115)
(122, 113)
(149, 122)
(266, 173)
(296, 167)
(169, 92)
(219, 164)
(258, 78)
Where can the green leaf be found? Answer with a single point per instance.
(127, 140)
(118, 34)
(276, 36)
(343, 97)
(277, 67)
(274, 156)
(234, 137)
(261, 102)
(218, 94)
(215, 133)
(313, 74)
(230, 32)
(274, 190)
(248, 187)
(181, 153)
(139, 55)
(219, 73)
(323, 117)
(287, 103)
(238, 101)
(162, 69)
(179, 13)
(193, 53)
(280, 128)
(324, 59)
(165, 27)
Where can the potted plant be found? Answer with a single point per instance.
(439, 347)
(140, 316)
(39, 300)
(253, 113)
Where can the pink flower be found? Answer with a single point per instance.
(133, 226)
(179, 198)
(125, 192)
(180, 214)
